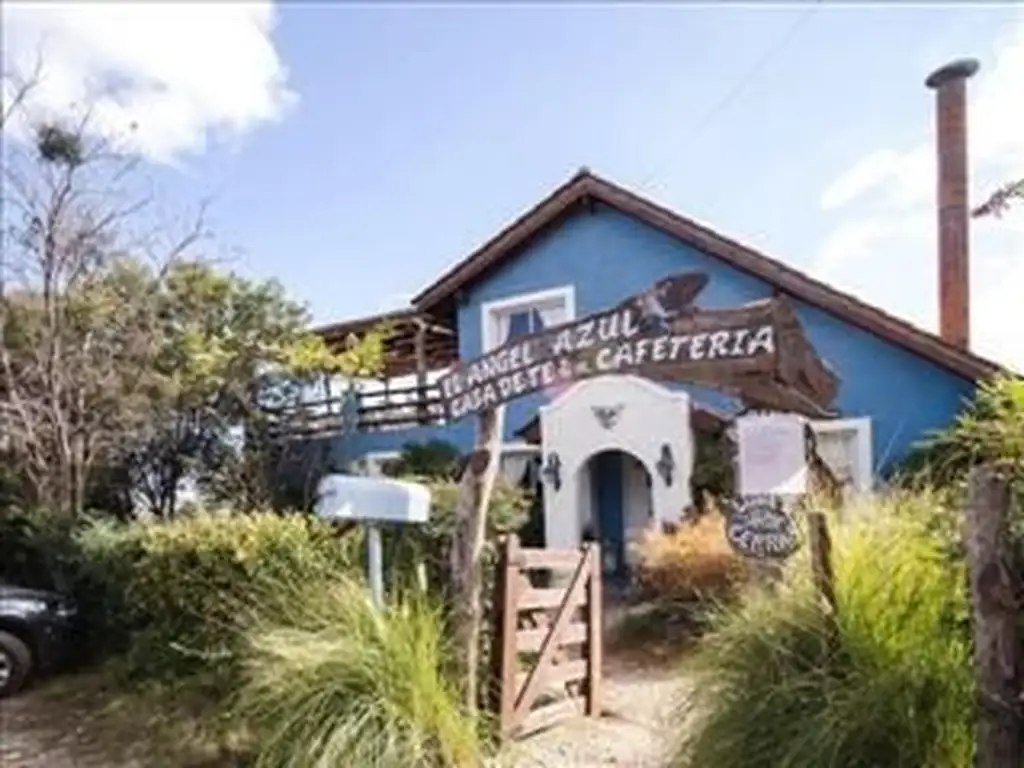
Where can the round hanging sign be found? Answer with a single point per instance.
(760, 527)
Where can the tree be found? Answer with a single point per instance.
(124, 356)
(15, 90)
(235, 362)
(1000, 201)
(76, 346)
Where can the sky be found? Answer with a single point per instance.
(354, 151)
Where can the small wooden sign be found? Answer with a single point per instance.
(759, 527)
(757, 351)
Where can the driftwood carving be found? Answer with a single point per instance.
(757, 352)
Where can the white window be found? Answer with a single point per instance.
(845, 447)
(524, 314)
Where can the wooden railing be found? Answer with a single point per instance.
(399, 408)
(381, 410)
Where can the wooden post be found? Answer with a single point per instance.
(595, 632)
(467, 549)
(1000, 734)
(422, 415)
(504, 658)
(820, 543)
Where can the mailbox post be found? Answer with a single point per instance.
(371, 500)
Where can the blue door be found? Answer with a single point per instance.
(608, 501)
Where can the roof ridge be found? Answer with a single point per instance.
(810, 290)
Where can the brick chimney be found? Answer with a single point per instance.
(950, 85)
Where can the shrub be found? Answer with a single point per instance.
(331, 681)
(895, 691)
(410, 547)
(180, 589)
(695, 562)
(989, 429)
(432, 459)
(37, 549)
(430, 544)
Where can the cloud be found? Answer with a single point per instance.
(882, 242)
(182, 73)
(866, 174)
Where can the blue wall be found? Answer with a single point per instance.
(609, 256)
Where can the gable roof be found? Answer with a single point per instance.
(586, 188)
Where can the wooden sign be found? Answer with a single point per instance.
(759, 527)
(757, 352)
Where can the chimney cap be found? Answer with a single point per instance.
(961, 69)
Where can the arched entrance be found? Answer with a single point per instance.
(618, 449)
(615, 506)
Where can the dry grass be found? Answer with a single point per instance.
(694, 563)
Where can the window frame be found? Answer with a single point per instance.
(490, 311)
(860, 426)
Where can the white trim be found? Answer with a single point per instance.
(519, 446)
(564, 295)
(861, 427)
(679, 396)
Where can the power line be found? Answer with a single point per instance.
(733, 93)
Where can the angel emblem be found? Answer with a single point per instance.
(607, 415)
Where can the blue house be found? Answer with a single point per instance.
(587, 247)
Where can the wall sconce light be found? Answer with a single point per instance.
(552, 471)
(666, 464)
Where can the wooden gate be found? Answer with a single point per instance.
(548, 643)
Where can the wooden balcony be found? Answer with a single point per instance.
(402, 408)
(416, 347)
(379, 410)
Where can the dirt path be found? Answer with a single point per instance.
(34, 735)
(635, 731)
(75, 722)
(38, 732)
(69, 724)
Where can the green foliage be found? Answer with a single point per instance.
(406, 548)
(990, 428)
(713, 465)
(897, 689)
(233, 353)
(158, 371)
(37, 549)
(507, 512)
(183, 588)
(432, 459)
(330, 681)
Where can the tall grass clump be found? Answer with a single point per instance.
(694, 562)
(331, 681)
(893, 689)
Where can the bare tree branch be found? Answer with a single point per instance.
(1000, 200)
(20, 88)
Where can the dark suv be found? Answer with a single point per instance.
(35, 631)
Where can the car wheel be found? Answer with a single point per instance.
(15, 664)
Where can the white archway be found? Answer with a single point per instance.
(615, 413)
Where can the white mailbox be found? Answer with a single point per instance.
(372, 499)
